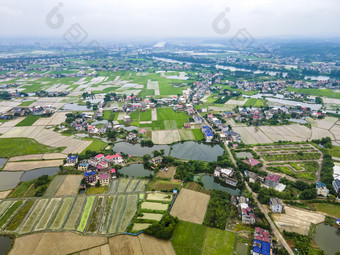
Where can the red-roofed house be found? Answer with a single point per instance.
(115, 159)
(262, 235)
(251, 161)
(248, 216)
(104, 164)
(113, 173)
(99, 157)
(104, 179)
(92, 129)
(272, 180)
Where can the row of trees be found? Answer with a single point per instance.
(218, 209)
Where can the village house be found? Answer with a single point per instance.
(83, 166)
(90, 177)
(197, 119)
(104, 179)
(272, 180)
(102, 165)
(92, 130)
(208, 135)
(226, 174)
(248, 216)
(131, 137)
(102, 130)
(252, 176)
(72, 160)
(127, 119)
(187, 125)
(262, 242)
(321, 189)
(114, 159)
(276, 205)
(156, 160)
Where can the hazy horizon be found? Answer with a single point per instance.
(151, 19)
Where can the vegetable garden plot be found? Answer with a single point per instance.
(122, 185)
(116, 214)
(86, 213)
(75, 214)
(63, 211)
(129, 212)
(48, 213)
(34, 216)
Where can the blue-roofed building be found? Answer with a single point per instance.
(208, 134)
(90, 177)
(261, 247)
(72, 159)
(83, 166)
(197, 119)
(321, 189)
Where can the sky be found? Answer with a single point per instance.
(142, 19)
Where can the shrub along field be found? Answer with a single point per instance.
(288, 157)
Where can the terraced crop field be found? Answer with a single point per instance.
(118, 207)
(61, 215)
(16, 221)
(48, 213)
(141, 185)
(74, 215)
(4, 218)
(104, 213)
(4, 205)
(114, 186)
(86, 213)
(55, 185)
(95, 220)
(108, 208)
(132, 185)
(123, 183)
(129, 212)
(34, 216)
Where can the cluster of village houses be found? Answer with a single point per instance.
(100, 167)
(97, 168)
(262, 239)
(25, 111)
